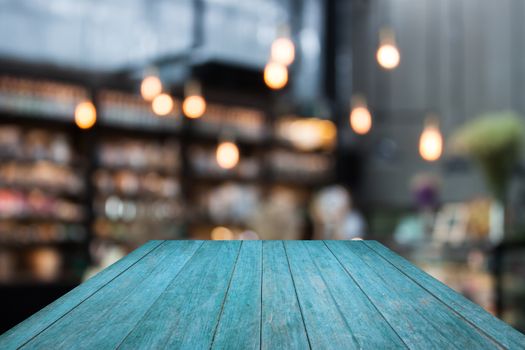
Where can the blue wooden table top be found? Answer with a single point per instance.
(262, 294)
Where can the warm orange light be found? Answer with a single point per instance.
(194, 106)
(162, 104)
(309, 134)
(221, 233)
(431, 143)
(361, 120)
(283, 51)
(227, 155)
(388, 56)
(85, 115)
(151, 87)
(275, 75)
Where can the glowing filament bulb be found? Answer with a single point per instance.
(162, 104)
(150, 87)
(85, 115)
(275, 75)
(283, 51)
(431, 142)
(194, 106)
(388, 55)
(360, 117)
(227, 155)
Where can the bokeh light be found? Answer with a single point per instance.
(283, 51)
(388, 56)
(275, 75)
(85, 115)
(431, 143)
(221, 233)
(194, 106)
(150, 87)
(227, 155)
(162, 104)
(361, 120)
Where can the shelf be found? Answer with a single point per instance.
(55, 192)
(30, 160)
(214, 178)
(40, 219)
(140, 170)
(31, 245)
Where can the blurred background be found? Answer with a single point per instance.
(123, 121)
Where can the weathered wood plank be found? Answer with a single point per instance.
(22, 333)
(421, 320)
(501, 332)
(107, 317)
(326, 326)
(269, 295)
(186, 314)
(369, 328)
(282, 323)
(240, 322)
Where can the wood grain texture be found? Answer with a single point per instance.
(326, 325)
(91, 325)
(498, 330)
(25, 331)
(368, 327)
(282, 322)
(262, 295)
(186, 314)
(241, 314)
(422, 321)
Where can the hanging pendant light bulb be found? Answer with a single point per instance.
(85, 115)
(162, 105)
(194, 105)
(388, 55)
(283, 48)
(227, 155)
(283, 51)
(275, 75)
(360, 117)
(431, 141)
(151, 85)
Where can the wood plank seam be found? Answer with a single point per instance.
(261, 313)
(471, 311)
(225, 295)
(331, 294)
(416, 310)
(365, 294)
(174, 277)
(437, 329)
(42, 317)
(296, 295)
(497, 343)
(87, 298)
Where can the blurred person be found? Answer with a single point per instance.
(334, 217)
(279, 216)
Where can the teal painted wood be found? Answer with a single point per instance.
(498, 330)
(268, 295)
(422, 321)
(325, 324)
(25, 331)
(282, 322)
(92, 324)
(186, 314)
(368, 327)
(241, 314)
